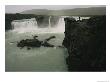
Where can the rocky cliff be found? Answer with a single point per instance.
(86, 44)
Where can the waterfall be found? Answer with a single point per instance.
(49, 22)
(55, 25)
(24, 23)
(61, 25)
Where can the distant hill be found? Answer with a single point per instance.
(37, 11)
(76, 11)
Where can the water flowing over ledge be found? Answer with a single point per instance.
(31, 25)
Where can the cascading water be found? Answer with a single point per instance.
(49, 22)
(61, 25)
(30, 25)
(24, 23)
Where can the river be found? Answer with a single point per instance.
(43, 59)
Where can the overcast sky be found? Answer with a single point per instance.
(20, 8)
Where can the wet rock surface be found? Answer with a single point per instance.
(30, 43)
(86, 44)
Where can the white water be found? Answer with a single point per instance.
(30, 25)
(24, 23)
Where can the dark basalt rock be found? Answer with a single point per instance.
(51, 37)
(28, 48)
(61, 46)
(35, 42)
(29, 43)
(86, 44)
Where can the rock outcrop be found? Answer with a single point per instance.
(35, 42)
(86, 44)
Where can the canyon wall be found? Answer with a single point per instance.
(86, 44)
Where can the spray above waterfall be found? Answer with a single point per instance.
(55, 25)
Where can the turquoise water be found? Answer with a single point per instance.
(41, 59)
